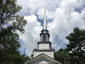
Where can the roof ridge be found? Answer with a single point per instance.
(42, 55)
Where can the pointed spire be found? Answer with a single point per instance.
(45, 22)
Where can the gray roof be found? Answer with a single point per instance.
(41, 56)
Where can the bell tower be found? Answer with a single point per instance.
(44, 45)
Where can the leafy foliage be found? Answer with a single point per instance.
(60, 55)
(75, 50)
(10, 22)
(76, 46)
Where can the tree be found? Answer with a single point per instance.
(10, 22)
(9, 16)
(76, 46)
(61, 55)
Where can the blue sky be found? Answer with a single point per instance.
(62, 17)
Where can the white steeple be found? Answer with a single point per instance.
(44, 45)
(45, 22)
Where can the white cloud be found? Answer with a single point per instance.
(50, 14)
(64, 18)
(31, 35)
(63, 24)
(31, 6)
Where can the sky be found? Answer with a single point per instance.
(62, 17)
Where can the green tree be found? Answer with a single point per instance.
(61, 55)
(76, 46)
(10, 22)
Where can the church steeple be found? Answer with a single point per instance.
(45, 21)
(44, 45)
(44, 35)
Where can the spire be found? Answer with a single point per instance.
(45, 22)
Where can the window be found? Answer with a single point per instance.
(44, 37)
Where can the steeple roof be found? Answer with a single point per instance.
(45, 21)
